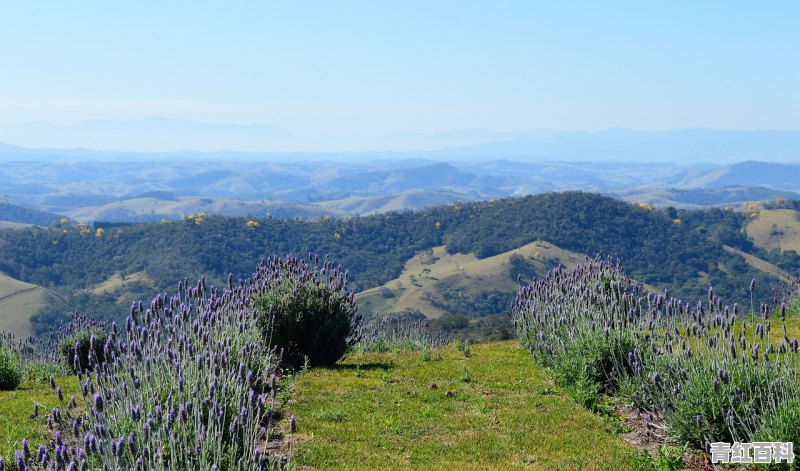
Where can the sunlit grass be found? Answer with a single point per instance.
(16, 408)
(492, 409)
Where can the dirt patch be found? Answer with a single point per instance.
(648, 432)
(285, 444)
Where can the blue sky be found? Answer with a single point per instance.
(329, 68)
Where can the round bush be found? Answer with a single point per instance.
(311, 313)
(86, 354)
(10, 372)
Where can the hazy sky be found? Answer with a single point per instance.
(363, 67)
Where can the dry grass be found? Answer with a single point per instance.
(776, 229)
(18, 302)
(760, 264)
(462, 271)
(117, 282)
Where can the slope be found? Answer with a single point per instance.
(150, 209)
(405, 201)
(773, 229)
(18, 302)
(14, 213)
(760, 264)
(434, 275)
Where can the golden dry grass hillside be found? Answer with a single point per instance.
(775, 229)
(18, 302)
(425, 273)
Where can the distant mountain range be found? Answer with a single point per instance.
(261, 141)
(661, 168)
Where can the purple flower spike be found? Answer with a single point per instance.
(655, 378)
(293, 423)
(98, 402)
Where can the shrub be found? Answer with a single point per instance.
(10, 373)
(188, 384)
(708, 371)
(399, 334)
(80, 350)
(309, 310)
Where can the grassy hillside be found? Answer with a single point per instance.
(428, 275)
(493, 409)
(150, 209)
(775, 229)
(410, 200)
(760, 264)
(18, 302)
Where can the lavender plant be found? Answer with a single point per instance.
(10, 371)
(393, 334)
(36, 357)
(307, 311)
(710, 372)
(188, 383)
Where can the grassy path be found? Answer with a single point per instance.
(492, 409)
(16, 408)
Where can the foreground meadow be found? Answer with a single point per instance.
(486, 406)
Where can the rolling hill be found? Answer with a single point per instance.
(775, 229)
(405, 201)
(148, 209)
(435, 273)
(684, 251)
(18, 302)
(15, 215)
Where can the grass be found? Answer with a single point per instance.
(775, 229)
(421, 277)
(491, 409)
(18, 302)
(16, 408)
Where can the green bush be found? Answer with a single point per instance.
(86, 355)
(10, 372)
(314, 316)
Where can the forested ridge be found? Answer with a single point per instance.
(679, 250)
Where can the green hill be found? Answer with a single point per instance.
(13, 213)
(684, 256)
